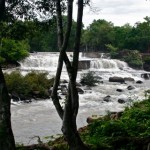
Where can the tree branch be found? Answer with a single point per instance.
(62, 55)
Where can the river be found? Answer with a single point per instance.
(39, 118)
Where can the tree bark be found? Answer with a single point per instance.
(69, 114)
(7, 141)
(6, 136)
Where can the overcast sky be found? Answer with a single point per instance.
(119, 12)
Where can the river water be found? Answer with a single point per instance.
(39, 118)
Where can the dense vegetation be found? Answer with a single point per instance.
(33, 85)
(19, 38)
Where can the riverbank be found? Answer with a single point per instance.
(128, 131)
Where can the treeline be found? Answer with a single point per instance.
(101, 35)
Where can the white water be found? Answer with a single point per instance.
(40, 118)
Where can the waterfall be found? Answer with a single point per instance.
(108, 64)
(47, 61)
(41, 61)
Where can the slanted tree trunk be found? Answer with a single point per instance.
(6, 135)
(69, 113)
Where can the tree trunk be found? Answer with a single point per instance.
(7, 141)
(6, 136)
(69, 113)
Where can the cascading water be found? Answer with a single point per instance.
(40, 118)
(107, 64)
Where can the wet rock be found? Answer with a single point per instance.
(119, 90)
(146, 76)
(130, 87)
(81, 91)
(139, 82)
(83, 64)
(115, 115)
(107, 98)
(78, 84)
(121, 101)
(93, 118)
(27, 101)
(116, 79)
(15, 97)
(87, 88)
(129, 79)
(64, 81)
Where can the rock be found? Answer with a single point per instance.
(139, 82)
(15, 97)
(116, 79)
(87, 88)
(121, 101)
(78, 84)
(145, 76)
(115, 115)
(130, 87)
(129, 79)
(83, 64)
(146, 66)
(64, 81)
(81, 91)
(27, 101)
(107, 98)
(93, 118)
(119, 90)
(63, 86)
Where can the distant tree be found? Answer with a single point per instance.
(97, 35)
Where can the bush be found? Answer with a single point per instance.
(133, 58)
(12, 51)
(32, 85)
(130, 131)
(90, 79)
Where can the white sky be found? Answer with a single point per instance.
(119, 12)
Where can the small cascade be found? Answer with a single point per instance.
(108, 64)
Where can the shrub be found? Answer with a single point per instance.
(90, 79)
(33, 84)
(133, 58)
(11, 50)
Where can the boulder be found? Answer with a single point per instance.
(15, 97)
(107, 98)
(93, 118)
(145, 76)
(115, 115)
(78, 84)
(64, 81)
(119, 90)
(121, 101)
(128, 79)
(81, 91)
(116, 79)
(139, 82)
(83, 64)
(130, 87)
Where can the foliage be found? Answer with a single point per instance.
(113, 50)
(30, 85)
(11, 50)
(132, 125)
(90, 79)
(133, 58)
